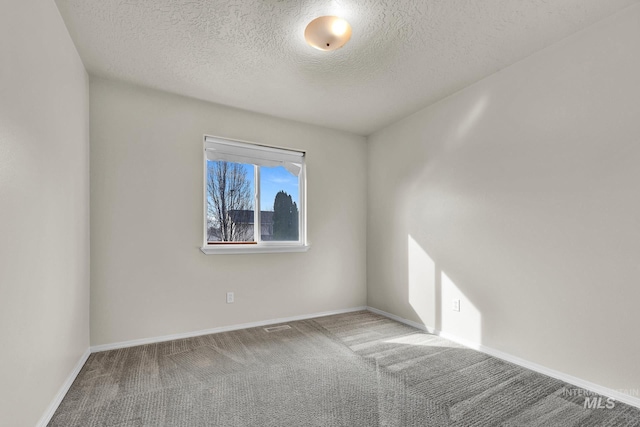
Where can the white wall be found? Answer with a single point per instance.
(520, 195)
(44, 209)
(148, 275)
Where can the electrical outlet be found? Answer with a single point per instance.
(456, 305)
(230, 298)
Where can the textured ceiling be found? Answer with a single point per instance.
(250, 54)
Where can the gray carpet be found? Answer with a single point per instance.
(356, 369)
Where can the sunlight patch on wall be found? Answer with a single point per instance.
(466, 323)
(431, 294)
(421, 283)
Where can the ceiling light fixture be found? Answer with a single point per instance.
(327, 33)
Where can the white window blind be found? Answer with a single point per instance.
(238, 152)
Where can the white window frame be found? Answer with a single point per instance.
(266, 153)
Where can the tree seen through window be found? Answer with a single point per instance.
(230, 203)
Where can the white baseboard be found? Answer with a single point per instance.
(53, 406)
(615, 394)
(152, 340)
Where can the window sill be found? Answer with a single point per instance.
(252, 249)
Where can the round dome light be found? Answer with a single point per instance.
(327, 33)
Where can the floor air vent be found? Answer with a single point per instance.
(277, 328)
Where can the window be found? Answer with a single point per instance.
(254, 198)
